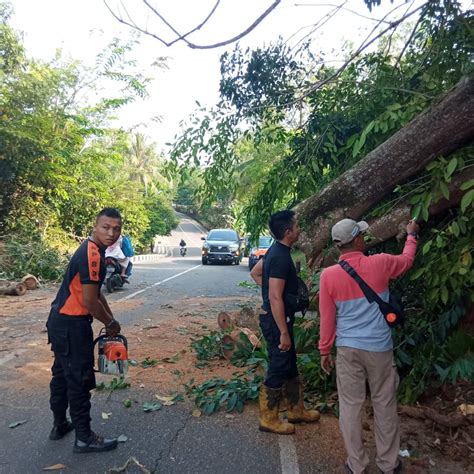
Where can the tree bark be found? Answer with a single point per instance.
(454, 420)
(16, 289)
(445, 127)
(393, 224)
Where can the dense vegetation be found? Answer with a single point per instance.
(61, 161)
(277, 137)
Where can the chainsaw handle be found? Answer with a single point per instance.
(118, 336)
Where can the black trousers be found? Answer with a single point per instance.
(281, 364)
(72, 342)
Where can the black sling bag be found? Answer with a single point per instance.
(392, 311)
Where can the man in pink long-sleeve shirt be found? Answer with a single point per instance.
(364, 342)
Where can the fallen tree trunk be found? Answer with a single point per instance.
(440, 130)
(394, 223)
(16, 289)
(454, 420)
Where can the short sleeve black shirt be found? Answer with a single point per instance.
(86, 267)
(278, 264)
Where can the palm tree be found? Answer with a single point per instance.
(144, 163)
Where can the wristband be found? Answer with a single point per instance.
(110, 324)
(413, 234)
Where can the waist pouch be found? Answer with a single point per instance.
(299, 301)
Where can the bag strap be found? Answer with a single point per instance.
(369, 293)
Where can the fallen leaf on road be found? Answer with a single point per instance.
(122, 439)
(54, 467)
(167, 401)
(196, 413)
(130, 461)
(105, 416)
(17, 423)
(147, 363)
(147, 407)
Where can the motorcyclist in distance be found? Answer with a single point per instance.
(182, 247)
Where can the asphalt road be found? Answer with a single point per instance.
(166, 441)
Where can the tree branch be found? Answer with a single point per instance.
(342, 7)
(182, 37)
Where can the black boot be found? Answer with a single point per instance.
(60, 429)
(95, 444)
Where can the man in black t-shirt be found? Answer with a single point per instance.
(276, 274)
(78, 302)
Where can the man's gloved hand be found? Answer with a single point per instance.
(113, 328)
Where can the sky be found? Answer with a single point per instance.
(82, 28)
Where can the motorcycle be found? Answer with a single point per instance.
(182, 251)
(113, 276)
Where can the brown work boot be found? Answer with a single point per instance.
(297, 413)
(269, 401)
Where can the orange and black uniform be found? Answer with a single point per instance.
(72, 340)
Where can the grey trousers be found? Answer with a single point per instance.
(353, 368)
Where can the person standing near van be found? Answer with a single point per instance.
(276, 275)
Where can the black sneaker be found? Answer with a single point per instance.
(61, 430)
(95, 444)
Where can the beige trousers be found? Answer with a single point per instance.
(353, 368)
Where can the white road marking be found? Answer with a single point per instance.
(128, 297)
(288, 456)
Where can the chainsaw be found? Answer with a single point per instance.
(112, 354)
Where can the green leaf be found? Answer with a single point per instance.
(426, 247)
(444, 189)
(416, 211)
(395, 106)
(467, 200)
(232, 402)
(467, 185)
(444, 295)
(419, 272)
(451, 167)
(455, 228)
(153, 406)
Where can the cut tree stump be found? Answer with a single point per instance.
(31, 282)
(245, 318)
(226, 320)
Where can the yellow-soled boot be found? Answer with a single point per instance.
(297, 413)
(269, 401)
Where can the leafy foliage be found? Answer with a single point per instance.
(209, 347)
(114, 384)
(61, 162)
(231, 395)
